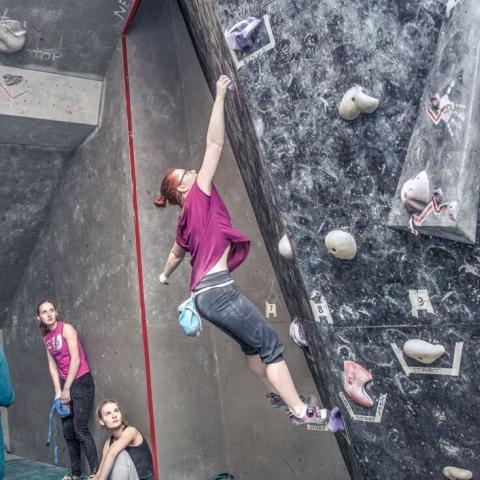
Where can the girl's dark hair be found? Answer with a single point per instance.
(103, 403)
(43, 328)
(168, 191)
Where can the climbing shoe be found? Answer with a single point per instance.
(277, 401)
(70, 477)
(313, 416)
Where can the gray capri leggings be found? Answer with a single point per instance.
(238, 317)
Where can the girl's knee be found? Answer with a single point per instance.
(254, 361)
(272, 348)
(123, 468)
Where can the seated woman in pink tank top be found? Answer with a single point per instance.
(72, 383)
(216, 247)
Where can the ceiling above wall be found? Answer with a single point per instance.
(75, 37)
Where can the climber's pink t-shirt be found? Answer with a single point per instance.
(58, 348)
(205, 230)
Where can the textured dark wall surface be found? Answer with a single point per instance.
(211, 414)
(316, 173)
(83, 260)
(29, 179)
(67, 36)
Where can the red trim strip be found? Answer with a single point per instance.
(148, 378)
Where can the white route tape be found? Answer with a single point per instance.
(321, 310)
(377, 418)
(420, 301)
(269, 46)
(453, 371)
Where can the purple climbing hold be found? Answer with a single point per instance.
(297, 334)
(238, 37)
(335, 421)
(12, 79)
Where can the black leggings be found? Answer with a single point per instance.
(75, 427)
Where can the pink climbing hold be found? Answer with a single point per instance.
(355, 377)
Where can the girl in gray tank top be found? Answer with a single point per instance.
(126, 454)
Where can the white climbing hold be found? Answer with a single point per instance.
(341, 244)
(415, 192)
(452, 210)
(259, 127)
(12, 35)
(454, 473)
(451, 4)
(285, 247)
(423, 351)
(354, 102)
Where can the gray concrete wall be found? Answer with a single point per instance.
(211, 414)
(30, 177)
(85, 261)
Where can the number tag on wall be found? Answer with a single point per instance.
(420, 301)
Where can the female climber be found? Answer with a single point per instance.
(216, 247)
(126, 454)
(73, 384)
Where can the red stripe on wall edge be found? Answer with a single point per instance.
(131, 16)
(146, 352)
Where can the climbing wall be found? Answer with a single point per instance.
(317, 172)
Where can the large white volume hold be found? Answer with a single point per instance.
(355, 101)
(341, 244)
(454, 473)
(415, 193)
(423, 351)
(12, 35)
(285, 247)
